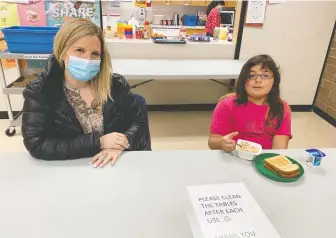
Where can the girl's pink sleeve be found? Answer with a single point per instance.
(221, 123)
(285, 128)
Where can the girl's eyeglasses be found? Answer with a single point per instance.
(264, 76)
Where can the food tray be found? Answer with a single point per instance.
(167, 41)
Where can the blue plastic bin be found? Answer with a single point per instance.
(190, 20)
(28, 39)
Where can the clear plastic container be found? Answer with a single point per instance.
(120, 29)
(245, 154)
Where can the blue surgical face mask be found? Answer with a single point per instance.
(83, 69)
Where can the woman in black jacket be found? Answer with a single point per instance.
(76, 108)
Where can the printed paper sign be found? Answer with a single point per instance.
(229, 211)
(17, 1)
(8, 14)
(35, 57)
(59, 11)
(256, 11)
(32, 14)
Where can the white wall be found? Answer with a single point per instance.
(296, 34)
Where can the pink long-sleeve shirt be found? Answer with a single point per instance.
(249, 121)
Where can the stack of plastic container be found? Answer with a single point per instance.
(128, 30)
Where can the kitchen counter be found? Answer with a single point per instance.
(150, 41)
(146, 49)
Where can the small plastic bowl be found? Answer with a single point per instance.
(248, 155)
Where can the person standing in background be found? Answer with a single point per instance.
(213, 16)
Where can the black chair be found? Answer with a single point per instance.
(143, 105)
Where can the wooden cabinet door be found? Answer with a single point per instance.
(201, 3)
(230, 3)
(160, 2)
(179, 2)
(227, 3)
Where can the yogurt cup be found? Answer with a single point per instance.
(314, 157)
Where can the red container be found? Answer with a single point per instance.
(138, 34)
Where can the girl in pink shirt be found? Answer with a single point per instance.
(255, 112)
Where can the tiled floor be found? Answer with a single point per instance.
(189, 130)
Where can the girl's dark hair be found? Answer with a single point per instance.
(213, 4)
(276, 107)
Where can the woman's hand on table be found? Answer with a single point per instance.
(114, 140)
(227, 142)
(105, 156)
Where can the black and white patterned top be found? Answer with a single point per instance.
(90, 117)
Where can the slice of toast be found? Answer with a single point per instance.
(282, 175)
(282, 166)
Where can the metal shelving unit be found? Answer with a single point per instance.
(9, 89)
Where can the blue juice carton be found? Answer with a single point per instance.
(314, 157)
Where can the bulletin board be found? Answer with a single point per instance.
(47, 12)
(44, 13)
(57, 11)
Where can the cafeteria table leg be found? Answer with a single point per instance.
(142, 83)
(11, 130)
(230, 85)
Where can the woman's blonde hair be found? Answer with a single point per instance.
(75, 29)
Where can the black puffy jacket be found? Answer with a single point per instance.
(51, 130)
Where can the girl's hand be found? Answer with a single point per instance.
(227, 142)
(115, 141)
(105, 156)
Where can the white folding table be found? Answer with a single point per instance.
(145, 70)
(144, 195)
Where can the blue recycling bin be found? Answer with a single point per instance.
(30, 40)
